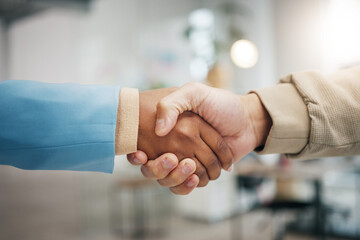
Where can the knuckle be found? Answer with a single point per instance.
(155, 172)
(214, 167)
(185, 130)
(203, 182)
(203, 177)
(201, 172)
(169, 181)
(173, 181)
(213, 162)
(173, 146)
(145, 172)
(172, 89)
(216, 175)
(162, 183)
(162, 104)
(160, 174)
(194, 85)
(178, 191)
(150, 170)
(174, 190)
(222, 146)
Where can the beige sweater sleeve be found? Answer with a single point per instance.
(127, 124)
(314, 115)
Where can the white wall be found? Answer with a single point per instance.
(99, 46)
(341, 47)
(43, 47)
(258, 27)
(107, 44)
(321, 35)
(3, 44)
(299, 33)
(62, 46)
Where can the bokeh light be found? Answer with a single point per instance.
(244, 54)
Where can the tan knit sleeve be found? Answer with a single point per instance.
(127, 124)
(330, 124)
(289, 132)
(333, 104)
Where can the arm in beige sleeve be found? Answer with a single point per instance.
(127, 124)
(314, 115)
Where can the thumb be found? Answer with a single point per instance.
(166, 117)
(170, 107)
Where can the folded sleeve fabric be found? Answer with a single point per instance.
(127, 121)
(59, 126)
(314, 115)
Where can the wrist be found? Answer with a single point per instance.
(260, 120)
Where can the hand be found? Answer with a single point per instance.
(241, 120)
(191, 138)
(164, 166)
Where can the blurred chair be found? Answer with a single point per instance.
(286, 201)
(282, 204)
(139, 209)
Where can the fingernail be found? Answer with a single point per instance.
(187, 169)
(191, 183)
(231, 168)
(167, 163)
(137, 161)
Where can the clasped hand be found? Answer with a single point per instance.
(193, 132)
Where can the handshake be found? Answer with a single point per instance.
(191, 133)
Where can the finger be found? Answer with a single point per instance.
(187, 98)
(187, 186)
(137, 158)
(160, 167)
(209, 160)
(183, 171)
(218, 145)
(201, 173)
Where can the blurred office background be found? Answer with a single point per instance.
(159, 43)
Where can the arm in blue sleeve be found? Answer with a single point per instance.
(58, 126)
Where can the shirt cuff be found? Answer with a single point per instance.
(289, 133)
(127, 124)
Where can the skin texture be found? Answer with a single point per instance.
(241, 120)
(157, 169)
(204, 151)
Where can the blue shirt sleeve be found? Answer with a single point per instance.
(68, 126)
